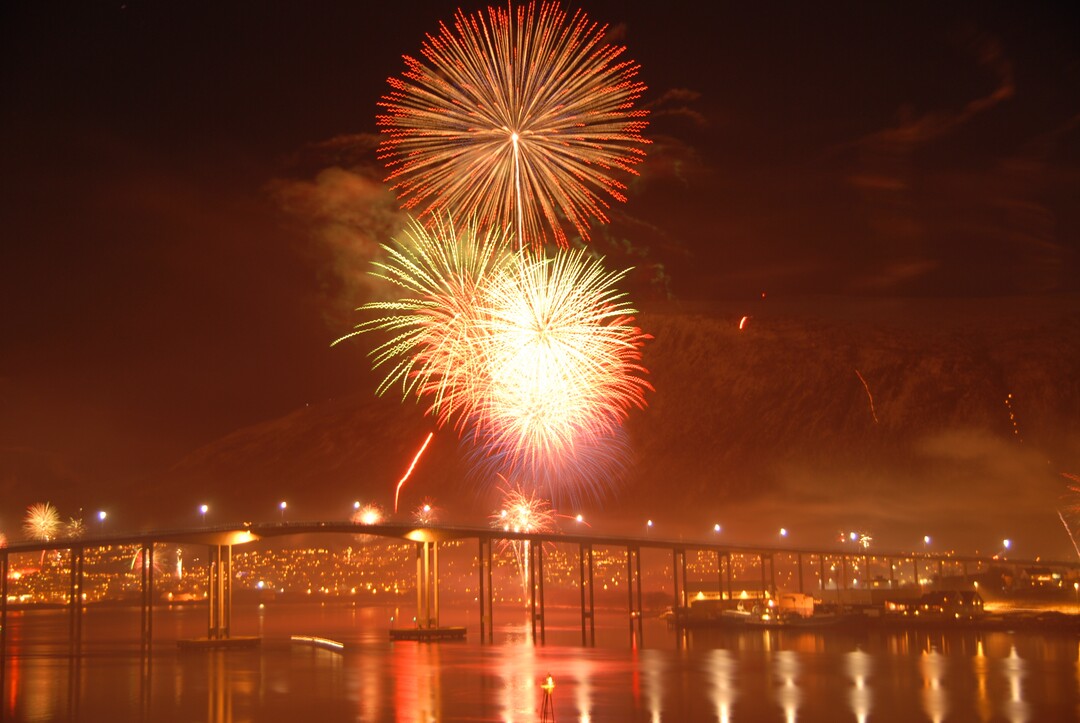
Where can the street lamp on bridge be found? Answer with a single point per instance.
(282, 507)
(203, 509)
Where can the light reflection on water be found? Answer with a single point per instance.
(722, 676)
(859, 665)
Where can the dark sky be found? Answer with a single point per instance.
(190, 196)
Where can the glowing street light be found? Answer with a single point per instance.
(648, 526)
(926, 540)
(783, 532)
(1006, 543)
(716, 528)
(356, 505)
(101, 515)
(1076, 589)
(282, 507)
(203, 509)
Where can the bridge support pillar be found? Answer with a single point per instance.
(427, 584)
(585, 567)
(487, 594)
(147, 631)
(219, 592)
(678, 569)
(75, 594)
(536, 588)
(633, 584)
(4, 562)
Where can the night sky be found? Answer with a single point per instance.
(191, 198)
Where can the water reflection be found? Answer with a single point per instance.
(653, 666)
(517, 672)
(982, 695)
(935, 701)
(720, 666)
(786, 669)
(1015, 709)
(581, 670)
(858, 665)
(725, 676)
(416, 683)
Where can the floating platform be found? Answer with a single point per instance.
(427, 635)
(234, 643)
(316, 642)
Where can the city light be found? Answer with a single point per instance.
(1006, 543)
(282, 507)
(783, 532)
(203, 509)
(716, 527)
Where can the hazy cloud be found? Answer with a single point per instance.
(348, 212)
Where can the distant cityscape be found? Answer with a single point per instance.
(375, 570)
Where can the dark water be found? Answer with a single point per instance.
(712, 676)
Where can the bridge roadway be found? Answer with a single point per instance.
(221, 539)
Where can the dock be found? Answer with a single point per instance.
(233, 643)
(427, 635)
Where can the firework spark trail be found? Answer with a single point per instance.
(563, 358)
(369, 514)
(523, 512)
(533, 359)
(156, 560)
(1012, 417)
(868, 395)
(1069, 530)
(408, 472)
(590, 470)
(1073, 508)
(435, 328)
(516, 116)
(42, 522)
(426, 513)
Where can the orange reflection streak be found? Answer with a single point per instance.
(868, 395)
(409, 471)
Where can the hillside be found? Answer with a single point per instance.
(757, 428)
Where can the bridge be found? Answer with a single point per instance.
(427, 539)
